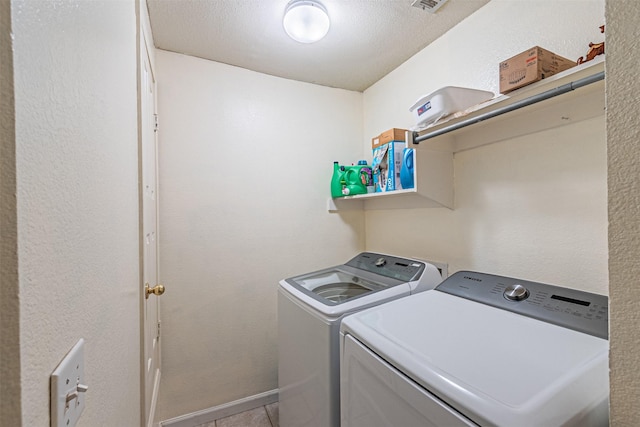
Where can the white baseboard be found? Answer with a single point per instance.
(222, 411)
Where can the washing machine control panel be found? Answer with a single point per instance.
(402, 269)
(578, 310)
(516, 292)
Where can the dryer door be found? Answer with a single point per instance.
(375, 394)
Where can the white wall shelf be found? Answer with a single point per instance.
(572, 107)
(433, 179)
(434, 156)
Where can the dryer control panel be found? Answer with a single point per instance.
(578, 310)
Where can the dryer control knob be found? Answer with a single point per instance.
(380, 262)
(516, 293)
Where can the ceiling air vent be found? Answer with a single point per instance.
(428, 5)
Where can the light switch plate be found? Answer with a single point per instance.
(68, 388)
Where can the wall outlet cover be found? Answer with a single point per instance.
(68, 388)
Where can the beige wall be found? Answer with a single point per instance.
(245, 166)
(623, 134)
(10, 396)
(77, 203)
(534, 207)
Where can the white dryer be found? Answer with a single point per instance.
(310, 308)
(480, 350)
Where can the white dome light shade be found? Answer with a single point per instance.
(306, 21)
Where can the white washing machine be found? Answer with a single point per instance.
(478, 350)
(310, 308)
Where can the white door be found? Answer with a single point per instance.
(149, 201)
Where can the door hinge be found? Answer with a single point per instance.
(155, 124)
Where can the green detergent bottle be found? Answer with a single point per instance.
(355, 178)
(337, 181)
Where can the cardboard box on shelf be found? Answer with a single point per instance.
(387, 162)
(530, 66)
(388, 136)
(387, 159)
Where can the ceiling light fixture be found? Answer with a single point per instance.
(306, 21)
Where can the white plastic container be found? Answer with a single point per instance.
(444, 101)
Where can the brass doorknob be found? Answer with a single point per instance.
(156, 290)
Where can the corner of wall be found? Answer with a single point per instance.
(10, 395)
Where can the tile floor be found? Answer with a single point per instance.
(264, 416)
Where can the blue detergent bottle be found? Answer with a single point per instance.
(406, 171)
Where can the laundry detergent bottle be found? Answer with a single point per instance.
(366, 175)
(406, 171)
(337, 180)
(354, 182)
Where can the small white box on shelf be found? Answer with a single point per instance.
(444, 101)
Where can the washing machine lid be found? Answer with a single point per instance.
(338, 285)
(348, 300)
(494, 366)
(367, 279)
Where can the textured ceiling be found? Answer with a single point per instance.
(367, 38)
